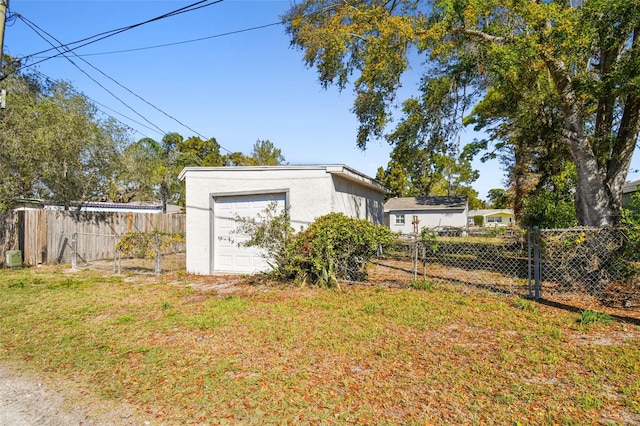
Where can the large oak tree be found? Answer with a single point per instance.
(587, 51)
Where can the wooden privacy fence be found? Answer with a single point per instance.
(42, 234)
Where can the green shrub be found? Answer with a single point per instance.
(271, 231)
(422, 285)
(588, 317)
(336, 247)
(332, 248)
(478, 220)
(429, 239)
(144, 244)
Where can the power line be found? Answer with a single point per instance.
(50, 79)
(244, 30)
(101, 36)
(38, 31)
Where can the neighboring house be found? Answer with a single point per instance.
(628, 191)
(493, 217)
(216, 196)
(402, 213)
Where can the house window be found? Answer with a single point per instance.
(494, 219)
(400, 219)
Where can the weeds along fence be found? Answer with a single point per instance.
(585, 264)
(601, 263)
(142, 252)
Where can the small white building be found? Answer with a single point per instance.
(493, 217)
(410, 214)
(216, 196)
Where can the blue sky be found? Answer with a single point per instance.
(237, 88)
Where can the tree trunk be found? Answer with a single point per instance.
(595, 204)
(599, 191)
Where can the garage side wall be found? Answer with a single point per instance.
(357, 201)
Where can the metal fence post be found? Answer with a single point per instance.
(529, 263)
(537, 266)
(158, 270)
(415, 261)
(74, 250)
(424, 261)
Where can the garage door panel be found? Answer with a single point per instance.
(225, 261)
(227, 255)
(241, 207)
(261, 204)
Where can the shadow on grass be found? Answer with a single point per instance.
(577, 310)
(518, 290)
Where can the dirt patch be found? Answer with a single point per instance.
(26, 401)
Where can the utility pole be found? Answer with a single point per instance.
(4, 5)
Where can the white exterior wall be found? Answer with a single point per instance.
(311, 192)
(357, 201)
(428, 219)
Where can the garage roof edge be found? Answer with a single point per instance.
(338, 169)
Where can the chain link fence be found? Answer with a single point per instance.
(102, 251)
(598, 263)
(493, 260)
(590, 266)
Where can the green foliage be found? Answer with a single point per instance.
(525, 305)
(206, 152)
(51, 125)
(589, 317)
(631, 221)
(264, 153)
(429, 239)
(426, 285)
(271, 231)
(337, 247)
(334, 247)
(125, 319)
(153, 168)
(478, 220)
(499, 198)
(552, 205)
(528, 67)
(146, 244)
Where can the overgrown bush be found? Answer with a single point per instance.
(334, 247)
(146, 244)
(429, 239)
(271, 231)
(630, 221)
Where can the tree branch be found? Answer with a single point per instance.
(481, 35)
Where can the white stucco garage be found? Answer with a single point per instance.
(215, 196)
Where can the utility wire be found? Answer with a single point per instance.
(101, 36)
(244, 30)
(49, 79)
(37, 30)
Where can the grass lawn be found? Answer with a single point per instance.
(257, 354)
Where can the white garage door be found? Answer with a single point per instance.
(228, 256)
